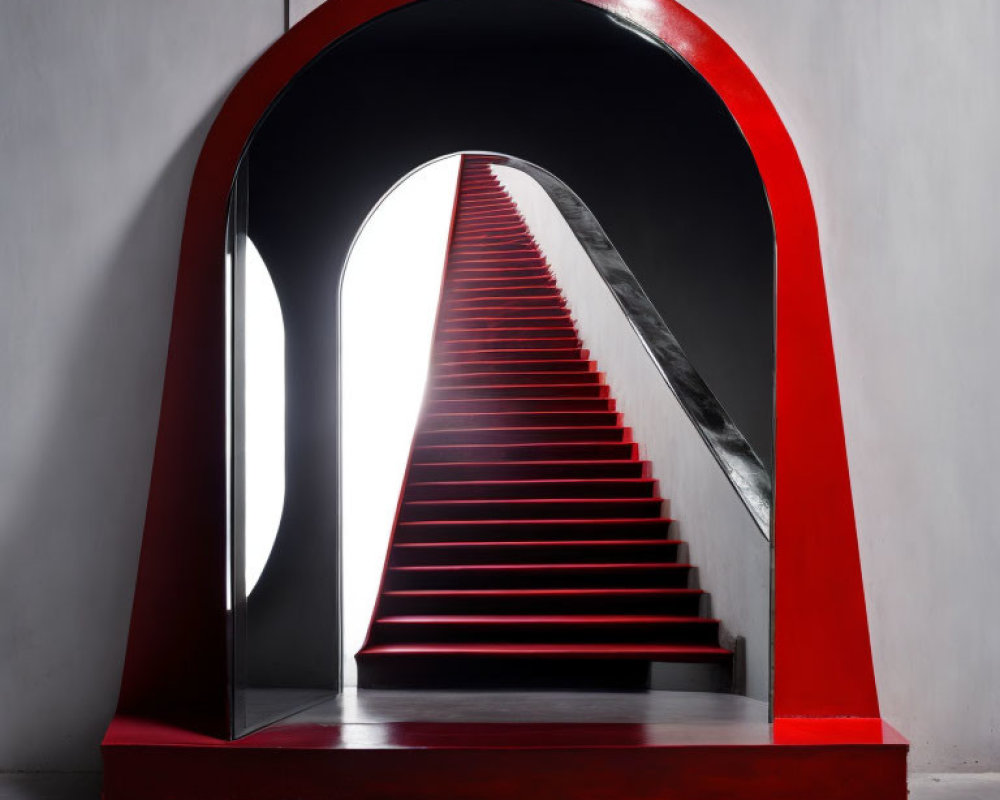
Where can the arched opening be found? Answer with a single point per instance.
(402, 244)
(405, 243)
(683, 203)
(177, 656)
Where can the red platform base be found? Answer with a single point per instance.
(837, 759)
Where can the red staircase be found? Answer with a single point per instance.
(529, 546)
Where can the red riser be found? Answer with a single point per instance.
(533, 509)
(518, 404)
(555, 341)
(527, 470)
(520, 390)
(526, 419)
(481, 490)
(559, 551)
(550, 365)
(538, 576)
(503, 305)
(518, 378)
(503, 308)
(522, 435)
(503, 260)
(515, 287)
(533, 530)
(529, 629)
(527, 451)
(494, 355)
(680, 602)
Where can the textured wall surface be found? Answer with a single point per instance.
(894, 110)
(297, 9)
(105, 106)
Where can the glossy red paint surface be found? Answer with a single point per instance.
(822, 653)
(176, 665)
(540, 760)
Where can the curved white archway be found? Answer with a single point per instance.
(388, 299)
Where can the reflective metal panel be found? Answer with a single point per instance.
(749, 477)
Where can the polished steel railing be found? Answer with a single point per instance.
(744, 469)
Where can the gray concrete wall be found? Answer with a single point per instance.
(894, 108)
(297, 9)
(103, 109)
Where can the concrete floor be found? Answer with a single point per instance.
(86, 786)
(954, 786)
(680, 708)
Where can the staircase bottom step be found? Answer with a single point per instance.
(408, 670)
(606, 667)
(735, 759)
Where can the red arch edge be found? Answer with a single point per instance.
(176, 662)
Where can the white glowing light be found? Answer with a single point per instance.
(388, 304)
(264, 409)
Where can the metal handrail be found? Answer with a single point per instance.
(741, 465)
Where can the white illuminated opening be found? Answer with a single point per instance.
(388, 303)
(264, 410)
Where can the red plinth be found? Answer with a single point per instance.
(818, 759)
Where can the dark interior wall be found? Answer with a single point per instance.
(621, 120)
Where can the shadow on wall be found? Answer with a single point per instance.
(71, 538)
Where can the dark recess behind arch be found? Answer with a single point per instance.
(626, 124)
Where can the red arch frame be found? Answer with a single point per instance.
(176, 663)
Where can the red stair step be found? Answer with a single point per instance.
(520, 390)
(642, 652)
(552, 301)
(525, 435)
(488, 340)
(527, 470)
(515, 419)
(519, 404)
(480, 310)
(510, 365)
(680, 602)
(534, 509)
(532, 530)
(541, 451)
(545, 628)
(475, 490)
(538, 576)
(519, 378)
(498, 355)
(553, 551)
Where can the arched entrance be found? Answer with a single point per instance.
(177, 657)
(557, 83)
